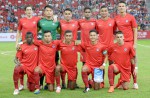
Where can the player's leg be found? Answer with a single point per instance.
(63, 75)
(41, 82)
(85, 71)
(16, 76)
(125, 85)
(102, 84)
(135, 85)
(112, 69)
(58, 71)
(37, 72)
(50, 87)
(21, 87)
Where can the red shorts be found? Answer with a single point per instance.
(125, 75)
(72, 72)
(49, 74)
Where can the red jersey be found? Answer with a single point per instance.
(28, 25)
(71, 25)
(122, 55)
(28, 56)
(85, 27)
(126, 25)
(47, 54)
(106, 30)
(68, 54)
(94, 54)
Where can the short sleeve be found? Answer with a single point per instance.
(133, 22)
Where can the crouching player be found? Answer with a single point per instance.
(96, 58)
(27, 56)
(68, 52)
(46, 64)
(120, 54)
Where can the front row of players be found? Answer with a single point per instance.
(37, 58)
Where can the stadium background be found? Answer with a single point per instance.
(12, 10)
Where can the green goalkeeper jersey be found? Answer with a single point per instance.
(48, 25)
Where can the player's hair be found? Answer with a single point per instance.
(68, 9)
(93, 31)
(87, 8)
(104, 6)
(122, 2)
(28, 33)
(28, 6)
(47, 31)
(67, 31)
(118, 32)
(48, 6)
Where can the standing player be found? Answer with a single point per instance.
(85, 25)
(46, 64)
(68, 49)
(68, 24)
(105, 28)
(96, 58)
(48, 24)
(27, 56)
(29, 23)
(127, 24)
(120, 54)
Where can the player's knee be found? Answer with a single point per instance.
(84, 69)
(58, 68)
(16, 70)
(37, 69)
(125, 88)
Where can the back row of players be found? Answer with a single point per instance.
(94, 44)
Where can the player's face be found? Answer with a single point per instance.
(119, 38)
(93, 36)
(29, 11)
(87, 13)
(104, 12)
(121, 7)
(47, 37)
(68, 37)
(29, 38)
(67, 15)
(48, 12)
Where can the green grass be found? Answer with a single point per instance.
(7, 53)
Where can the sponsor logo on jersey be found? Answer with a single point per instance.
(43, 24)
(53, 23)
(125, 49)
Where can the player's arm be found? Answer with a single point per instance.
(18, 37)
(105, 59)
(135, 37)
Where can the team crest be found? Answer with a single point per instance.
(97, 49)
(34, 22)
(35, 48)
(125, 49)
(110, 24)
(73, 48)
(127, 20)
(53, 46)
(53, 24)
(92, 23)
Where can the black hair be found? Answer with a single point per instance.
(93, 31)
(28, 6)
(68, 31)
(47, 32)
(68, 9)
(122, 2)
(87, 8)
(48, 6)
(28, 33)
(118, 32)
(103, 7)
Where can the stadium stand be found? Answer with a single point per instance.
(12, 10)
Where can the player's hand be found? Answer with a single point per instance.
(134, 46)
(17, 62)
(18, 47)
(102, 67)
(77, 42)
(135, 71)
